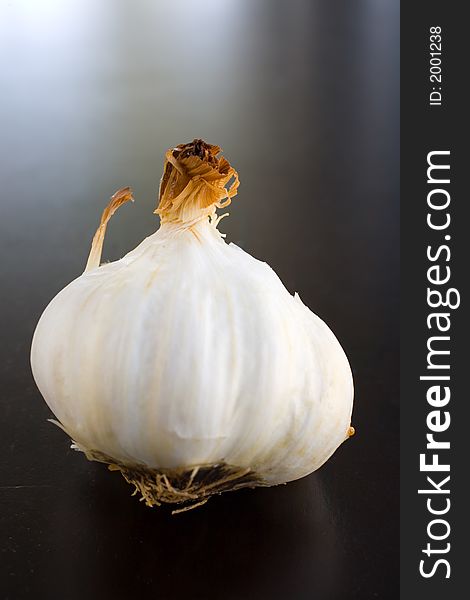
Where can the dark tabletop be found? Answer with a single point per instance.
(303, 98)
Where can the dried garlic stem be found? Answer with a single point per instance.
(118, 199)
(194, 183)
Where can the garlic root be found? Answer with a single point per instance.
(190, 486)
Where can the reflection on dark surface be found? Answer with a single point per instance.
(270, 546)
(303, 98)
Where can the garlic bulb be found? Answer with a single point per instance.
(187, 365)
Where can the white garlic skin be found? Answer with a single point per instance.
(188, 351)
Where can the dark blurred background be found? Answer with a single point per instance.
(303, 98)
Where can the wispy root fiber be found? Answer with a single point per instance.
(188, 487)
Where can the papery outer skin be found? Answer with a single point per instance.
(188, 351)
